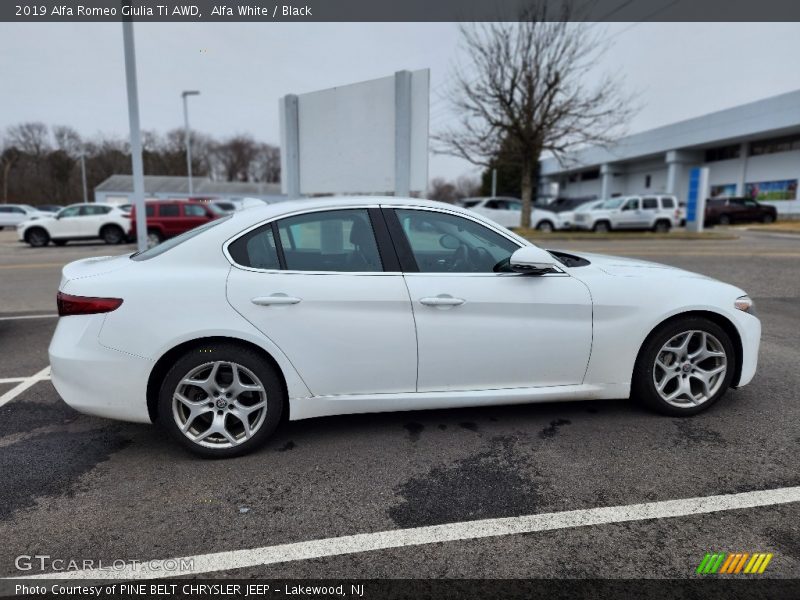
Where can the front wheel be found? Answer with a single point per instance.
(221, 401)
(601, 227)
(724, 220)
(37, 237)
(684, 367)
(767, 219)
(545, 227)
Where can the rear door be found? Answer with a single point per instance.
(649, 212)
(92, 219)
(320, 286)
(169, 215)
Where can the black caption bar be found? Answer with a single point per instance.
(402, 10)
(552, 589)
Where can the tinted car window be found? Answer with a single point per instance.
(150, 210)
(70, 211)
(649, 203)
(194, 210)
(169, 210)
(443, 243)
(668, 202)
(96, 210)
(336, 240)
(256, 249)
(631, 204)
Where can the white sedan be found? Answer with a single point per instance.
(85, 221)
(333, 306)
(12, 215)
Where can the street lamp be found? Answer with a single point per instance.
(188, 143)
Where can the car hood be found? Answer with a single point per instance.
(633, 267)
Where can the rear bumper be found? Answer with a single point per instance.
(96, 380)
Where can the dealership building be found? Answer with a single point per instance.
(750, 150)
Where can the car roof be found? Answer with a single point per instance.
(284, 207)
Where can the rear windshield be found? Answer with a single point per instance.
(177, 240)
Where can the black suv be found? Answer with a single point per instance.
(734, 209)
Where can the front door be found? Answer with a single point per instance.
(481, 327)
(67, 223)
(330, 300)
(630, 214)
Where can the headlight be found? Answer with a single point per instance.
(745, 304)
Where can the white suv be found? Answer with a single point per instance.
(657, 213)
(508, 213)
(77, 222)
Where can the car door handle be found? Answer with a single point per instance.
(442, 300)
(275, 299)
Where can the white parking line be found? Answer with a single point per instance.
(23, 385)
(27, 317)
(399, 538)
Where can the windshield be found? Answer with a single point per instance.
(613, 203)
(171, 243)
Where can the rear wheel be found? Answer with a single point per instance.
(724, 220)
(684, 367)
(221, 401)
(112, 234)
(154, 238)
(37, 237)
(662, 226)
(602, 227)
(545, 226)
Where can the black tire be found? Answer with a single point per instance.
(154, 238)
(37, 237)
(602, 227)
(767, 219)
(643, 386)
(112, 234)
(59, 242)
(545, 226)
(724, 220)
(662, 226)
(263, 373)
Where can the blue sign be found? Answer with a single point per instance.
(692, 200)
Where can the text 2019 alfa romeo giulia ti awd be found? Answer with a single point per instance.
(351, 305)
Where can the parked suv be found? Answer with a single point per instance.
(76, 222)
(724, 211)
(654, 212)
(508, 213)
(168, 218)
(12, 215)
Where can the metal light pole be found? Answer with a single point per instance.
(136, 135)
(188, 140)
(83, 178)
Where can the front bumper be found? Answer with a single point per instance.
(94, 379)
(750, 331)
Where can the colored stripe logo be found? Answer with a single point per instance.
(734, 563)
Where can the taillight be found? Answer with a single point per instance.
(126, 215)
(85, 305)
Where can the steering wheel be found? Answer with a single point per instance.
(460, 259)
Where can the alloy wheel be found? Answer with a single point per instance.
(690, 368)
(219, 404)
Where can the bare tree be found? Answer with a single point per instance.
(68, 140)
(235, 156)
(30, 138)
(526, 91)
(266, 165)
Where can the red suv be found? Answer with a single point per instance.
(727, 210)
(168, 218)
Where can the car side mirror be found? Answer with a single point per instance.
(532, 260)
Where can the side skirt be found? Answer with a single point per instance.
(322, 406)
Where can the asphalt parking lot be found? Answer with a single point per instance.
(84, 488)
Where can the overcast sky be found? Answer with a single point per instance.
(74, 74)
